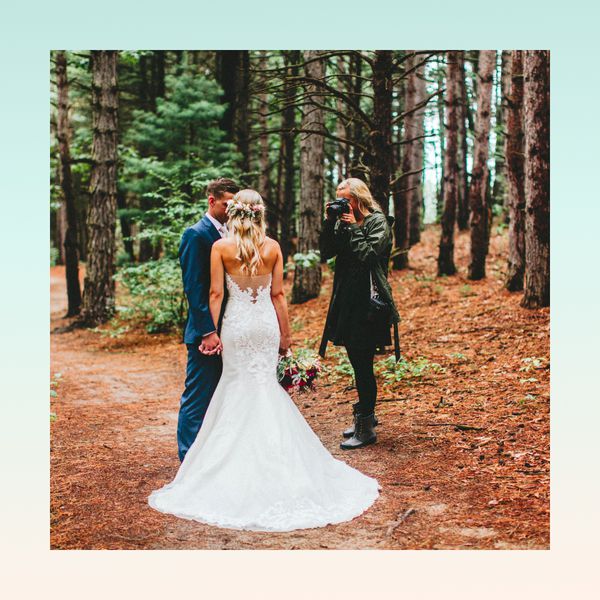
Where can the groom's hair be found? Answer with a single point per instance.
(220, 186)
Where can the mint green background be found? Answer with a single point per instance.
(30, 30)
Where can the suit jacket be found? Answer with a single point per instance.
(194, 258)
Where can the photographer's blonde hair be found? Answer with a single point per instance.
(358, 188)
(246, 223)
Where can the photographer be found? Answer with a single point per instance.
(361, 309)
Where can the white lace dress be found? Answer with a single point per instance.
(256, 464)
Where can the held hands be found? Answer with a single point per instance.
(211, 344)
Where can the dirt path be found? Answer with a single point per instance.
(462, 457)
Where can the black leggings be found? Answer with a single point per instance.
(361, 360)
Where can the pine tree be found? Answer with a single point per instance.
(478, 198)
(537, 178)
(307, 279)
(515, 170)
(99, 287)
(66, 184)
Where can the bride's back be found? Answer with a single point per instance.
(233, 265)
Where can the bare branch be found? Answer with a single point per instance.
(417, 107)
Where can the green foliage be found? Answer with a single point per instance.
(155, 294)
(466, 290)
(394, 372)
(114, 331)
(54, 254)
(342, 366)
(178, 140)
(311, 259)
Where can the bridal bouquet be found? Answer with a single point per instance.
(298, 370)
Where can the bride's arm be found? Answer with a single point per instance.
(217, 275)
(278, 298)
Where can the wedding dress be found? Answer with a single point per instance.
(256, 464)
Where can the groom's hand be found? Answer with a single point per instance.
(211, 344)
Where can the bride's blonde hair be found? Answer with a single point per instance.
(246, 211)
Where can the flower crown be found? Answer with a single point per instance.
(239, 209)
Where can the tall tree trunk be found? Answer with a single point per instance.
(288, 200)
(60, 229)
(356, 167)
(126, 230)
(307, 280)
(264, 180)
(380, 161)
(403, 192)
(158, 76)
(446, 264)
(536, 107)
(441, 100)
(416, 195)
(66, 184)
(99, 288)
(242, 124)
(342, 150)
(515, 162)
(462, 217)
(499, 188)
(233, 76)
(227, 62)
(479, 177)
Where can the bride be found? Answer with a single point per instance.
(256, 464)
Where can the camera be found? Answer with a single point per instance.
(338, 207)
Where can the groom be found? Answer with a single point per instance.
(204, 363)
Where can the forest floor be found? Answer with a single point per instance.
(463, 448)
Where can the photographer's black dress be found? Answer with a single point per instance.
(358, 250)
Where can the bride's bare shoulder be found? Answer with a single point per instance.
(272, 244)
(223, 244)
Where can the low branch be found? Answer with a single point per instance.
(417, 107)
(403, 175)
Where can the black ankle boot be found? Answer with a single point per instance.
(364, 433)
(350, 431)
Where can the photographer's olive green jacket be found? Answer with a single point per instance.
(358, 251)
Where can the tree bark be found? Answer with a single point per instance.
(242, 124)
(307, 280)
(99, 288)
(342, 150)
(416, 194)
(356, 167)
(233, 75)
(515, 162)
(288, 200)
(536, 105)
(264, 180)
(479, 177)
(499, 188)
(71, 253)
(403, 191)
(441, 134)
(446, 264)
(462, 217)
(380, 161)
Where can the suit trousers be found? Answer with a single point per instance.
(202, 376)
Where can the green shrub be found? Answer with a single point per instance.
(393, 372)
(155, 294)
(54, 254)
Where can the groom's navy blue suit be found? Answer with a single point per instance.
(203, 372)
